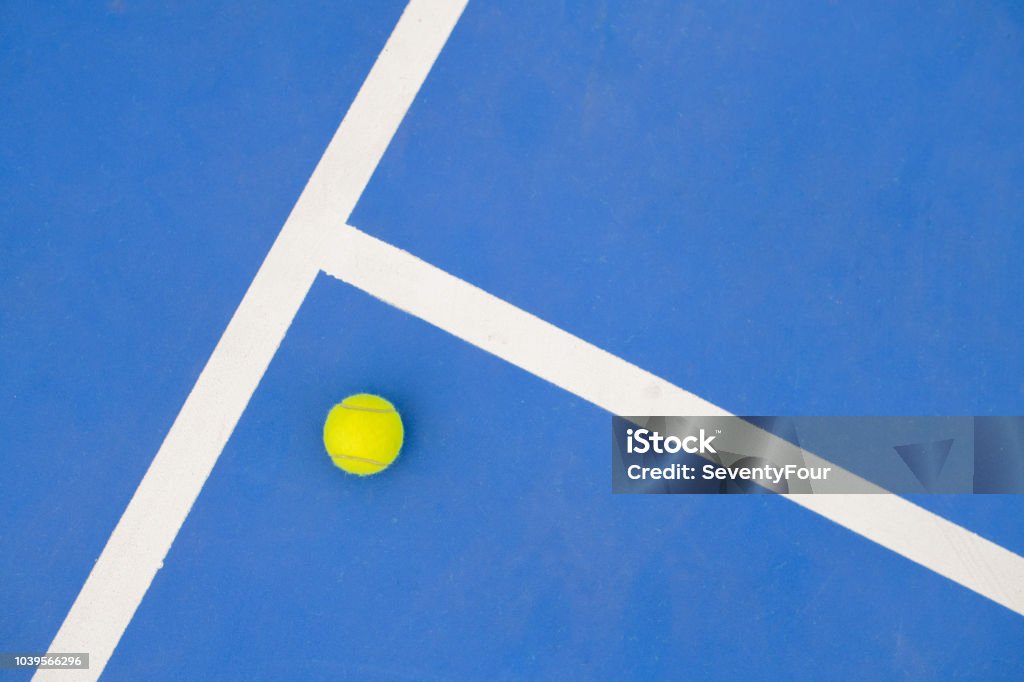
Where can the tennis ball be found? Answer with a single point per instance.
(363, 434)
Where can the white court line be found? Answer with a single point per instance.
(461, 309)
(143, 536)
(315, 229)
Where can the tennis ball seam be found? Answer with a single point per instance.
(367, 409)
(360, 459)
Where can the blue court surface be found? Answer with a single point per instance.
(786, 208)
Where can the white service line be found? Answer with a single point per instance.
(463, 310)
(459, 308)
(140, 541)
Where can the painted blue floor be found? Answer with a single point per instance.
(786, 208)
(148, 158)
(495, 551)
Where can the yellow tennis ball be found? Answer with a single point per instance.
(363, 434)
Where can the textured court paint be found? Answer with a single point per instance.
(783, 208)
(142, 538)
(149, 154)
(571, 363)
(496, 528)
(786, 209)
(890, 606)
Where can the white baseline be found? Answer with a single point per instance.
(140, 541)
